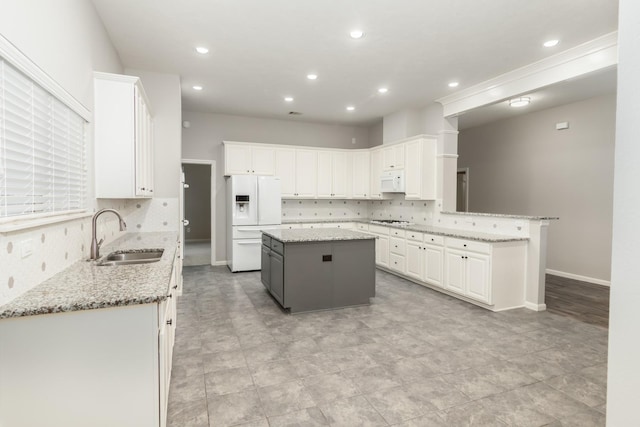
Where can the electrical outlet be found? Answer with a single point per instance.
(26, 248)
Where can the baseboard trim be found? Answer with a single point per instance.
(579, 277)
(219, 263)
(535, 307)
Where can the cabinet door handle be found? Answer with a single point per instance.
(175, 286)
(169, 322)
(465, 245)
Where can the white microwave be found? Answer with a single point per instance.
(392, 181)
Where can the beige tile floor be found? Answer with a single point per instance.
(414, 357)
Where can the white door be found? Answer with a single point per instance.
(477, 275)
(340, 180)
(376, 172)
(306, 173)
(325, 173)
(412, 172)
(433, 264)
(244, 199)
(360, 174)
(414, 260)
(455, 265)
(382, 251)
(183, 221)
(237, 160)
(285, 169)
(262, 161)
(269, 200)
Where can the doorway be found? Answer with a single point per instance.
(462, 190)
(198, 224)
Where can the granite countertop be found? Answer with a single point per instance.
(439, 231)
(460, 234)
(85, 286)
(323, 221)
(316, 235)
(533, 218)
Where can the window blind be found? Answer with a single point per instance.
(42, 150)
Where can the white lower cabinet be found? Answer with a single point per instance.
(424, 261)
(491, 274)
(102, 368)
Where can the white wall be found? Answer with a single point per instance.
(67, 40)
(165, 102)
(203, 141)
(523, 165)
(623, 388)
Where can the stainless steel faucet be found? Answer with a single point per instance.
(95, 245)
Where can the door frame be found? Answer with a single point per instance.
(465, 171)
(214, 235)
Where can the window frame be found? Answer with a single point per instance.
(14, 57)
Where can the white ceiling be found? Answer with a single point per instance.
(598, 83)
(261, 51)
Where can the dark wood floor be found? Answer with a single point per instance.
(581, 300)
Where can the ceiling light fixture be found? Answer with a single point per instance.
(356, 34)
(197, 87)
(453, 84)
(519, 102)
(288, 98)
(202, 50)
(312, 76)
(351, 108)
(551, 43)
(383, 90)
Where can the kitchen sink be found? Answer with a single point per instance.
(139, 256)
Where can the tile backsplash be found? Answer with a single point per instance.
(415, 211)
(55, 247)
(324, 209)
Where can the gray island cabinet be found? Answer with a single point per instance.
(318, 269)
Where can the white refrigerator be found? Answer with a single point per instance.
(253, 204)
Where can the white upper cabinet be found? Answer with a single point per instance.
(420, 169)
(248, 159)
(306, 173)
(376, 172)
(285, 169)
(361, 178)
(333, 174)
(123, 131)
(393, 157)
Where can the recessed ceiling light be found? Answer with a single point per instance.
(551, 43)
(197, 87)
(312, 76)
(202, 50)
(288, 98)
(356, 34)
(519, 102)
(453, 84)
(351, 108)
(383, 90)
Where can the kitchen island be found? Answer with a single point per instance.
(318, 269)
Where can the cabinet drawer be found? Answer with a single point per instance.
(396, 262)
(415, 236)
(362, 227)
(469, 245)
(266, 240)
(277, 246)
(383, 231)
(394, 232)
(434, 240)
(397, 246)
(343, 225)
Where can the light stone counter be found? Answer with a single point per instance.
(85, 286)
(316, 235)
(495, 215)
(460, 234)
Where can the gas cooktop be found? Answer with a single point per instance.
(391, 222)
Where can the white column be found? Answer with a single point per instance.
(447, 168)
(536, 266)
(623, 385)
